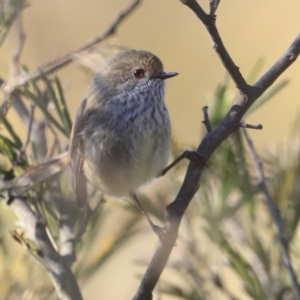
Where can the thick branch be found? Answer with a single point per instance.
(275, 214)
(68, 215)
(63, 279)
(208, 145)
(278, 68)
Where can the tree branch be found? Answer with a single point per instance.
(68, 215)
(52, 66)
(213, 5)
(275, 211)
(248, 95)
(206, 121)
(209, 22)
(63, 279)
(251, 126)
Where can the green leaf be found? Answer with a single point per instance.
(221, 103)
(7, 148)
(8, 13)
(64, 112)
(51, 94)
(252, 282)
(255, 71)
(18, 143)
(28, 94)
(181, 293)
(263, 255)
(267, 96)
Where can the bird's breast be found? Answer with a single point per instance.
(129, 151)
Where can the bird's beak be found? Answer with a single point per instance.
(165, 75)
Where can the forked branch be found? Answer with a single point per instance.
(248, 95)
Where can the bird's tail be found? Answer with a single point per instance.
(37, 174)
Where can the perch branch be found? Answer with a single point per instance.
(275, 212)
(248, 95)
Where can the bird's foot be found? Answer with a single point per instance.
(162, 233)
(191, 155)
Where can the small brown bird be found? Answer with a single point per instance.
(121, 136)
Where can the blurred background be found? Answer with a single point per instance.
(256, 33)
(251, 30)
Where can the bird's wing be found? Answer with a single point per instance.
(76, 157)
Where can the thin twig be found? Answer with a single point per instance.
(18, 103)
(55, 142)
(206, 121)
(25, 145)
(21, 37)
(251, 126)
(275, 211)
(213, 5)
(38, 135)
(209, 22)
(52, 66)
(40, 210)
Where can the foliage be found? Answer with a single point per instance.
(9, 10)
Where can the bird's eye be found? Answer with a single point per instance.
(139, 73)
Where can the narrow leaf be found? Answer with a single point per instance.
(12, 133)
(63, 106)
(267, 96)
(25, 92)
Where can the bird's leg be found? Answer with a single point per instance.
(190, 155)
(158, 230)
